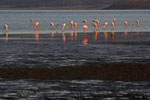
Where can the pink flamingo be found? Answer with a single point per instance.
(126, 24)
(5, 27)
(113, 25)
(63, 27)
(114, 20)
(52, 25)
(70, 24)
(36, 25)
(85, 21)
(32, 21)
(84, 27)
(105, 25)
(95, 27)
(138, 22)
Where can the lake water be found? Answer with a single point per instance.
(25, 48)
(19, 23)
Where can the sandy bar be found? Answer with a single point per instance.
(117, 72)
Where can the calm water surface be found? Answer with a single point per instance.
(19, 23)
(46, 48)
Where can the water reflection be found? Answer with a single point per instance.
(125, 33)
(95, 35)
(85, 40)
(112, 35)
(76, 34)
(6, 36)
(71, 35)
(105, 35)
(52, 35)
(36, 35)
(64, 36)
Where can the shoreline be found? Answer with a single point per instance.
(113, 72)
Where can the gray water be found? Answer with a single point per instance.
(18, 20)
(73, 90)
(53, 49)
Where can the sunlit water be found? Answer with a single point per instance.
(51, 49)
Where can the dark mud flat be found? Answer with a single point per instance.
(117, 72)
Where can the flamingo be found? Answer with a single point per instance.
(85, 21)
(70, 24)
(63, 27)
(36, 25)
(32, 21)
(98, 23)
(126, 24)
(84, 27)
(52, 25)
(138, 22)
(113, 25)
(95, 26)
(5, 26)
(95, 20)
(114, 20)
(105, 25)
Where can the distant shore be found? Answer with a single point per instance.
(116, 72)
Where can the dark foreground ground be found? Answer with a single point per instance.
(119, 72)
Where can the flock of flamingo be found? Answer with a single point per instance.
(72, 24)
(96, 24)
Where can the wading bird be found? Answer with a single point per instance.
(52, 25)
(113, 25)
(95, 27)
(32, 21)
(5, 27)
(63, 27)
(35, 26)
(126, 24)
(84, 27)
(105, 25)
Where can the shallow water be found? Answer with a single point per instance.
(18, 20)
(51, 50)
(73, 90)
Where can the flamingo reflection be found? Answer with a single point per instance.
(52, 35)
(36, 36)
(106, 35)
(75, 24)
(71, 34)
(85, 40)
(125, 33)
(95, 35)
(6, 36)
(64, 36)
(76, 35)
(112, 34)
